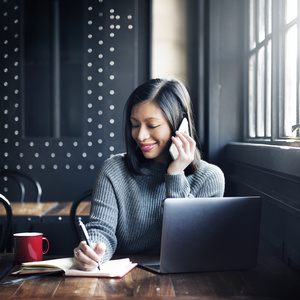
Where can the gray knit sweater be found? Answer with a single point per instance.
(127, 209)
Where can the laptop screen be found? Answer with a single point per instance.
(210, 234)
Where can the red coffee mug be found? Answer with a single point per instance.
(29, 246)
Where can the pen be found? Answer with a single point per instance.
(86, 237)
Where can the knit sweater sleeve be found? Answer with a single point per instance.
(208, 181)
(177, 186)
(104, 214)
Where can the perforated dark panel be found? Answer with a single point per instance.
(115, 59)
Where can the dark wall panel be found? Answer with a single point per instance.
(224, 105)
(263, 170)
(115, 60)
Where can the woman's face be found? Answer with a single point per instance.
(151, 131)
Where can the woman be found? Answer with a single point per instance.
(128, 196)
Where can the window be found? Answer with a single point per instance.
(273, 112)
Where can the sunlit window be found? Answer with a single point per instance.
(259, 71)
(273, 70)
(291, 68)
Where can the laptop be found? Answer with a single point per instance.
(208, 234)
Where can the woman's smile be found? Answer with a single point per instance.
(151, 131)
(147, 147)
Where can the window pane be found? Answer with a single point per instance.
(261, 93)
(291, 10)
(251, 113)
(252, 43)
(261, 18)
(290, 83)
(269, 16)
(269, 89)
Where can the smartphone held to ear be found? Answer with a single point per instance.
(183, 127)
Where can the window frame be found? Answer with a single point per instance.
(276, 37)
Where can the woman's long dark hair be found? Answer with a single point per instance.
(173, 99)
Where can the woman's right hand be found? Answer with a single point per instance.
(86, 258)
(186, 153)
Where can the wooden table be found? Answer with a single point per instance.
(29, 210)
(61, 212)
(51, 218)
(44, 212)
(271, 279)
(45, 209)
(26, 216)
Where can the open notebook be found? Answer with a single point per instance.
(114, 268)
(208, 234)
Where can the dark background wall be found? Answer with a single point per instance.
(65, 85)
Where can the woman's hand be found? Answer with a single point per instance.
(186, 153)
(86, 258)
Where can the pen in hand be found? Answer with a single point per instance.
(87, 238)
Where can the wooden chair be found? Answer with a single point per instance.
(25, 184)
(6, 228)
(73, 218)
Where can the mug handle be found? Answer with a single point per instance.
(47, 243)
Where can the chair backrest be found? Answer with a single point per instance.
(24, 182)
(73, 218)
(6, 225)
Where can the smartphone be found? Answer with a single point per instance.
(183, 127)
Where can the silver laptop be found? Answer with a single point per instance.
(209, 234)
